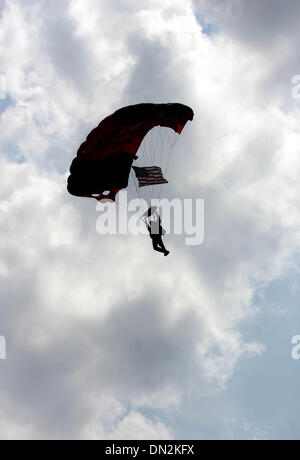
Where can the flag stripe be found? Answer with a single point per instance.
(161, 181)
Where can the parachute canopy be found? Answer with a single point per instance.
(104, 160)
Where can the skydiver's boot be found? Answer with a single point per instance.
(167, 253)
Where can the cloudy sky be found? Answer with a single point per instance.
(105, 338)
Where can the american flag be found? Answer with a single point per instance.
(150, 175)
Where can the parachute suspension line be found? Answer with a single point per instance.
(163, 148)
(137, 188)
(156, 149)
(172, 141)
(149, 190)
(152, 148)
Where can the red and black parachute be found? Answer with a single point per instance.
(104, 160)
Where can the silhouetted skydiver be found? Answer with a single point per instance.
(156, 231)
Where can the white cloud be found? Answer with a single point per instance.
(131, 427)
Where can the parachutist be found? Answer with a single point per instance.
(102, 166)
(156, 232)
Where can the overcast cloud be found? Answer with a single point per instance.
(105, 338)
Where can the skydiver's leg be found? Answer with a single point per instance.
(159, 246)
(156, 246)
(165, 251)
